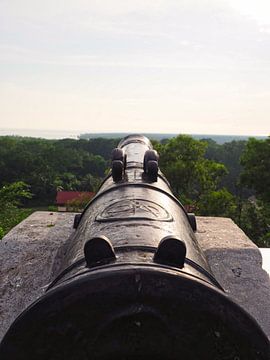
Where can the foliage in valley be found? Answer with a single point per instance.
(231, 180)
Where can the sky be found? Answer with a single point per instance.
(165, 66)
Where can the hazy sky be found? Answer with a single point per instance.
(181, 66)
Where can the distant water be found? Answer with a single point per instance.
(220, 139)
(45, 134)
(62, 134)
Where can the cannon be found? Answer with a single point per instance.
(134, 283)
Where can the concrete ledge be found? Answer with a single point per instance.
(30, 253)
(27, 261)
(236, 263)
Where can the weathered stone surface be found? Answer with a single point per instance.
(236, 263)
(27, 256)
(30, 256)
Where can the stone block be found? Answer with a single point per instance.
(28, 260)
(236, 263)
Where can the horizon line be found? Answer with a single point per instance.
(82, 132)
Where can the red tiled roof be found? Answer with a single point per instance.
(63, 197)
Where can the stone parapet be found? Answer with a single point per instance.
(236, 263)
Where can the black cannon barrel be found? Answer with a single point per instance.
(134, 282)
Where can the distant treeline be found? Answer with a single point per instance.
(219, 139)
(230, 179)
(51, 165)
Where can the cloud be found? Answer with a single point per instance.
(258, 10)
(125, 27)
(149, 59)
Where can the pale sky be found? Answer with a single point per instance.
(173, 66)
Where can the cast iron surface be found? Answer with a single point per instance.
(134, 313)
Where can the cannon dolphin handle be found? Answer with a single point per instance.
(134, 283)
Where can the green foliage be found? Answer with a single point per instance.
(255, 215)
(180, 160)
(102, 146)
(52, 208)
(255, 223)
(50, 225)
(194, 179)
(216, 203)
(90, 183)
(11, 196)
(49, 165)
(264, 240)
(11, 216)
(227, 194)
(228, 154)
(66, 181)
(256, 163)
(78, 204)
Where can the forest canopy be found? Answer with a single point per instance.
(230, 179)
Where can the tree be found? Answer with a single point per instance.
(12, 196)
(255, 222)
(78, 204)
(216, 203)
(194, 179)
(67, 181)
(47, 165)
(255, 219)
(256, 164)
(90, 183)
(228, 154)
(180, 158)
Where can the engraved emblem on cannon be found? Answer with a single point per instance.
(134, 209)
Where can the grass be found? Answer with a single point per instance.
(10, 216)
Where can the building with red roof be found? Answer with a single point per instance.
(66, 200)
